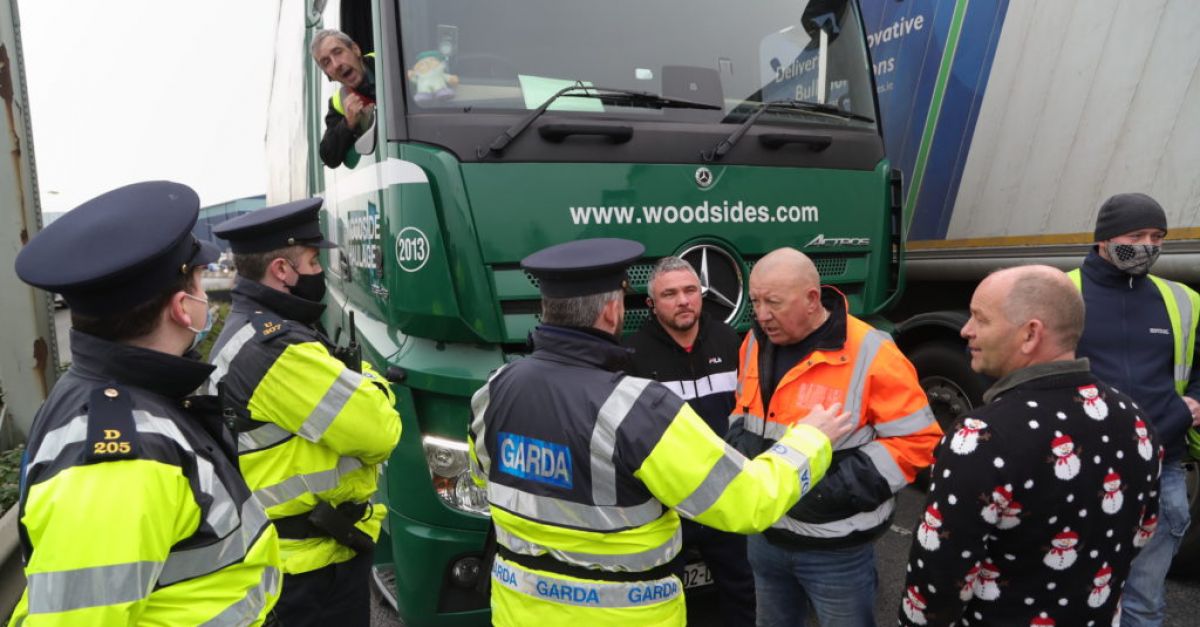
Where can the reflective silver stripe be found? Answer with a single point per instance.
(907, 425)
(858, 378)
(476, 469)
(58, 439)
(750, 342)
(297, 485)
(330, 406)
(479, 404)
(628, 562)
(148, 423)
(719, 477)
(65, 590)
(793, 457)
(696, 388)
(1183, 304)
(838, 528)
(760, 426)
(885, 464)
(549, 510)
(225, 357)
(262, 437)
(247, 609)
(221, 516)
(604, 438)
(598, 594)
(857, 438)
(76, 431)
(192, 563)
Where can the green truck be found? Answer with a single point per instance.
(713, 130)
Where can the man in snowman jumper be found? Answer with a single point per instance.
(1140, 337)
(1036, 500)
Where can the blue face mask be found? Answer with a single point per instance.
(210, 316)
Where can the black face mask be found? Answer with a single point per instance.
(309, 287)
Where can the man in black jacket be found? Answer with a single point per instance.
(1140, 336)
(352, 107)
(696, 357)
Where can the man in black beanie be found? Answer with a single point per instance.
(1140, 336)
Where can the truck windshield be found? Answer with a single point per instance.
(482, 56)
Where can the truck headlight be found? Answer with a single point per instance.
(450, 469)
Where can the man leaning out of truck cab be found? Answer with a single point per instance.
(352, 106)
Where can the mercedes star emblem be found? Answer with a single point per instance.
(720, 279)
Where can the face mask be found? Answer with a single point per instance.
(1134, 259)
(309, 286)
(209, 318)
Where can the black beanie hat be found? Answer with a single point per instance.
(1124, 213)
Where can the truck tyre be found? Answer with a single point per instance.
(944, 369)
(1187, 560)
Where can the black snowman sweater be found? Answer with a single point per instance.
(1038, 502)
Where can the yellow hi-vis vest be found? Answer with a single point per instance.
(1183, 307)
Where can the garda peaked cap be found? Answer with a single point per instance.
(583, 267)
(272, 228)
(119, 249)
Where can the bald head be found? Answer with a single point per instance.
(1046, 294)
(789, 266)
(1021, 317)
(785, 291)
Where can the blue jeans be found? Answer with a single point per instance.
(839, 583)
(1143, 601)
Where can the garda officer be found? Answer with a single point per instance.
(313, 422)
(588, 470)
(132, 507)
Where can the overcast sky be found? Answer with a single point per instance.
(132, 90)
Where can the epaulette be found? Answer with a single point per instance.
(267, 326)
(111, 431)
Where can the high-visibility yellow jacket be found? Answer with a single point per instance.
(310, 429)
(587, 472)
(1182, 305)
(860, 367)
(132, 508)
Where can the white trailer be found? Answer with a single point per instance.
(1013, 120)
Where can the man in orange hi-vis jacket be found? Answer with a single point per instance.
(807, 350)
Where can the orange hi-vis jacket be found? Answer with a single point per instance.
(862, 368)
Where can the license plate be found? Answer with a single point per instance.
(696, 575)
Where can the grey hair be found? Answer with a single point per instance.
(665, 265)
(577, 311)
(324, 34)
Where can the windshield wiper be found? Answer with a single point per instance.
(606, 95)
(725, 145)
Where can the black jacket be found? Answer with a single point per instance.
(1127, 338)
(706, 377)
(339, 138)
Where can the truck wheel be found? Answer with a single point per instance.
(1187, 560)
(944, 370)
